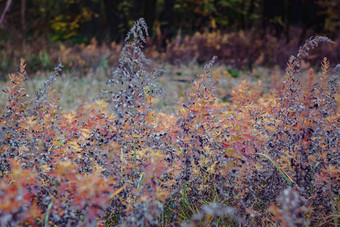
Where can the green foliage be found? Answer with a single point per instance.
(66, 27)
(221, 13)
(329, 9)
(79, 21)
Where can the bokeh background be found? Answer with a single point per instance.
(87, 34)
(109, 20)
(252, 39)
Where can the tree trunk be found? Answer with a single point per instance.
(251, 10)
(272, 10)
(92, 27)
(23, 29)
(150, 13)
(113, 19)
(8, 4)
(166, 22)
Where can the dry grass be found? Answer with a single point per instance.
(175, 80)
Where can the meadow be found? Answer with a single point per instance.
(187, 146)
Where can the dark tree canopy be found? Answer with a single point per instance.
(79, 21)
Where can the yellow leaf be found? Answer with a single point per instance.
(229, 152)
(101, 103)
(213, 23)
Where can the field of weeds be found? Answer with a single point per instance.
(191, 146)
(174, 79)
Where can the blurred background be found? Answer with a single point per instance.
(252, 39)
(87, 34)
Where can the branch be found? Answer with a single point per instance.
(5, 10)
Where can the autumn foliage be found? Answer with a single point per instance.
(262, 159)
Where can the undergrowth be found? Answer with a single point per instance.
(262, 159)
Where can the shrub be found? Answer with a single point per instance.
(261, 159)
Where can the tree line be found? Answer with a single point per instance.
(80, 20)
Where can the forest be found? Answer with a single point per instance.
(241, 33)
(110, 19)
